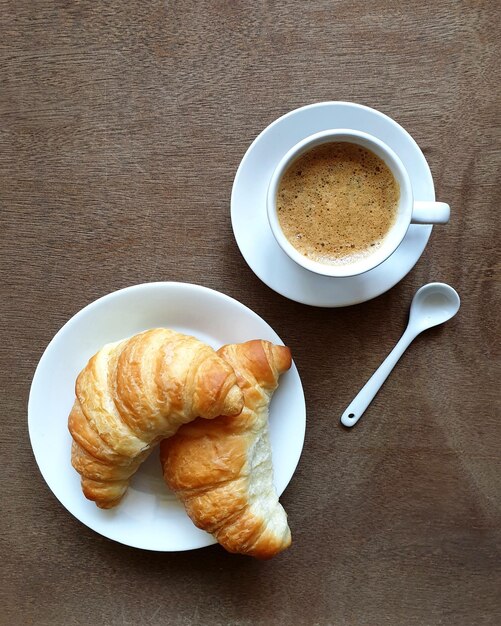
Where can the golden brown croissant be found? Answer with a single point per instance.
(222, 471)
(135, 392)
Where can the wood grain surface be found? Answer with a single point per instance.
(122, 126)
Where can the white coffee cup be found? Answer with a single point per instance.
(410, 211)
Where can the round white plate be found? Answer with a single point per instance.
(250, 220)
(149, 516)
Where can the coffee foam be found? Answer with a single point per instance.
(337, 203)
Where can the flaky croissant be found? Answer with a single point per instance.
(134, 393)
(222, 470)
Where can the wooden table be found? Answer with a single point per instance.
(123, 124)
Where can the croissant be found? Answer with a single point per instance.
(135, 392)
(222, 470)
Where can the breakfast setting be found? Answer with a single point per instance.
(223, 404)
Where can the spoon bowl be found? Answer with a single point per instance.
(433, 304)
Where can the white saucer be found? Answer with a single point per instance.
(149, 516)
(250, 221)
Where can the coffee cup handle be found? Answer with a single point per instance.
(430, 213)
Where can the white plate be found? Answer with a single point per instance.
(149, 516)
(250, 222)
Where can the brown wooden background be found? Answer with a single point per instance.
(122, 125)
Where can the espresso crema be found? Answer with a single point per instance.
(337, 202)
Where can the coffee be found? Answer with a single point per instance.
(337, 202)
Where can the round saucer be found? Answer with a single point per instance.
(250, 221)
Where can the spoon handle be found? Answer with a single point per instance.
(365, 396)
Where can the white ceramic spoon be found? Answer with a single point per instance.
(433, 304)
